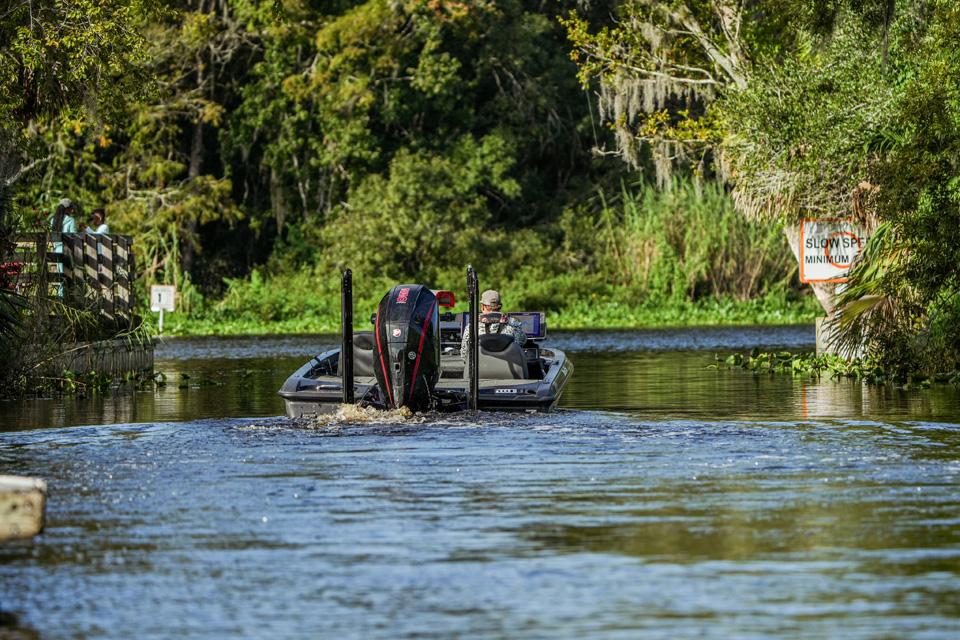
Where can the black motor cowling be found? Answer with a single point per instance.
(407, 347)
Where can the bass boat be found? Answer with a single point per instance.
(412, 359)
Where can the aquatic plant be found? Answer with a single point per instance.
(809, 364)
(91, 383)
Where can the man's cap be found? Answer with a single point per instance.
(66, 203)
(490, 298)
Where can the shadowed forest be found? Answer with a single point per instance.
(616, 164)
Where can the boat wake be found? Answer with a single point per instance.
(355, 414)
(354, 420)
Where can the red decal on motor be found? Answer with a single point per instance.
(383, 365)
(416, 365)
(402, 296)
(396, 333)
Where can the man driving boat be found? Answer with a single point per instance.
(492, 321)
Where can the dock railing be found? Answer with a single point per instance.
(88, 271)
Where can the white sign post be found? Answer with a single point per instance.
(828, 246)
(162, 297)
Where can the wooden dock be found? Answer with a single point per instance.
(22, 505)
(89, 271)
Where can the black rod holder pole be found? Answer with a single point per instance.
(473, 346)
(346, 332)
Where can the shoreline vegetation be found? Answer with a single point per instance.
(637, 257)
(582, 315)
(810, 365)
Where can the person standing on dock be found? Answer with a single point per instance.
(62, 221)
(492, 321)
(98, 222)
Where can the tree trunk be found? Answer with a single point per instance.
(193, 171)
(827, 327)
(190, 230)
(277, 202)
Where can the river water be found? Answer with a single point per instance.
(664, 500)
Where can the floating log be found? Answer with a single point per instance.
(22, 502)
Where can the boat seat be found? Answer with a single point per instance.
(501, 358)
(363, 340)
(363, 354)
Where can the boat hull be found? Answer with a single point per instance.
(315, 389)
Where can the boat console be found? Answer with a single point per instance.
(534, 325)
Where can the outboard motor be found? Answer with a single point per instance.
(407, 347)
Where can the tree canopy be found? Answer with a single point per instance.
(287, 126)
(62, 55)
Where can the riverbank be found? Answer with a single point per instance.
(324, 316)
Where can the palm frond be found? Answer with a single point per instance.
(870, 306)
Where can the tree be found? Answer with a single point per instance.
(339, 95)
(804, 134)
(815, 110)
(150, 163)
(904, 297)
(60, 55)
(393, 228)
(659, 69)
(666, 63)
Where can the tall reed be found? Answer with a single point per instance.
(688, 242)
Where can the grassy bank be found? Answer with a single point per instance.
(322, 314)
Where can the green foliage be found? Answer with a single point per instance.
(403, 139)
(805, 132)
(815, 109)
(61, 54)
(904, 299)
(62, 64)
(336, 97)
(146, 167)
(63, 58)
(664, 64)
(310, 303)
(684, 242)
(421, 232)
(810, 365)
(867, 124)
(650, 258)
